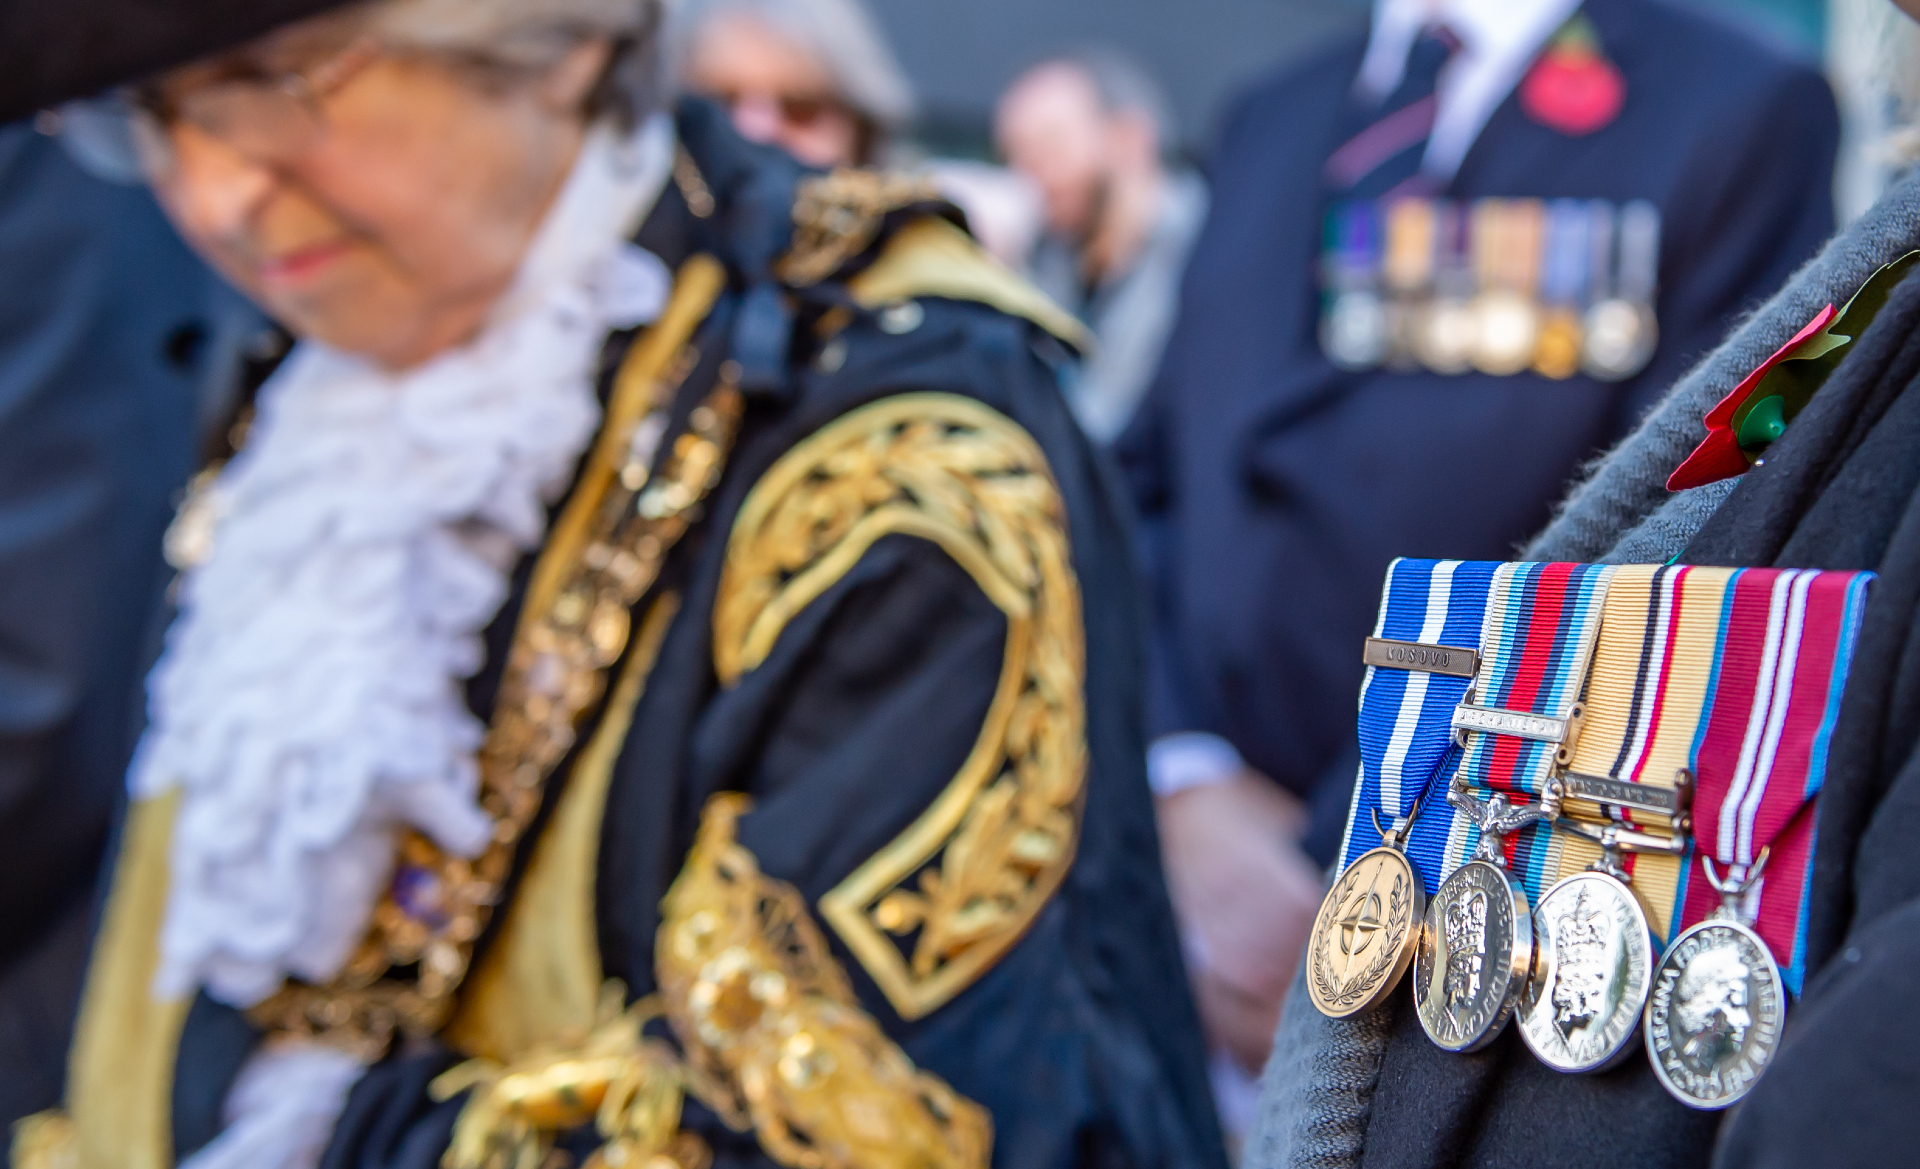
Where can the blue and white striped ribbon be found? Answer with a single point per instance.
(1406, 715)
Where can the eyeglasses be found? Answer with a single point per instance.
(267, 118)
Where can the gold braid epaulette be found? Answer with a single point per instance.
(838, 216)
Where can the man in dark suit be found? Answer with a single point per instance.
(108, 328)
(1291, 448)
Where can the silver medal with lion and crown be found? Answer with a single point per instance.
(1593, 965)
(1476, 950)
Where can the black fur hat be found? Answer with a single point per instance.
(55, 50)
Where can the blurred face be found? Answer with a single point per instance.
(778, 92)
(1050, 126)
(389, 217)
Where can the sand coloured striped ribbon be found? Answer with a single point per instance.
(1644, 695)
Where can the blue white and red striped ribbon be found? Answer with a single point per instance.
(1541, 625)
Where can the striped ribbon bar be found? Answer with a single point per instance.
(1785, 641)
(1541, 625)
(1658, 633)
(1405, 711)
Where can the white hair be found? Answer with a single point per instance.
(841, 34)
(535, 34)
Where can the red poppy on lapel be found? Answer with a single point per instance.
(1742, 425)
(1572, 87)
(1719, 455)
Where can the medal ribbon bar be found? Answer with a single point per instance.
(1541, 625)
(1785, 643)
(1431, 612)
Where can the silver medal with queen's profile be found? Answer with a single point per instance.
(1714, 1015)
(1364, 935)
(1581, 1010)
(1473, 958)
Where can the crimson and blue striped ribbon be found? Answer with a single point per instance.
(1785, 645)
(1541, 626)
(1405, 715)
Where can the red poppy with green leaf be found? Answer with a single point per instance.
(1742, 425)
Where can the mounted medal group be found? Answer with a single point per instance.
(1586, 803)
(1501, 286)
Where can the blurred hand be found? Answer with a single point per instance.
(1246, 896)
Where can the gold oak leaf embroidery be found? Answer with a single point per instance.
(935, 908)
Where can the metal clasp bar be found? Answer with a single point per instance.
(1671, 802)
(1496, 818)
(1414, 655)
(1614, 837)
(1521, 724)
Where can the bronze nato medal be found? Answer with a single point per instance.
(1717, 1007)
(1476, 951)
(1364, 935)
(1563, 282)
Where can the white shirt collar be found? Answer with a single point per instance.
(1500, 39)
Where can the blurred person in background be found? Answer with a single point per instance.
(813, 77)
(818, 79)
(1088, 129)
(658, 682)
(111, 334)
(1447, 262)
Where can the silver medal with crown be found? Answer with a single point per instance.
(1476, 950)
(1593, 963)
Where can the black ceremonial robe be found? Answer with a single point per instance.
(1841, 490)
(860, 780)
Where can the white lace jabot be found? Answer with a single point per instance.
(309, 702)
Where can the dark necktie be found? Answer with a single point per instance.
(1384, 158)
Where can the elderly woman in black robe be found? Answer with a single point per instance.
(657, 680)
